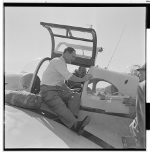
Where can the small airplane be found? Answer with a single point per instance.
(101, 98)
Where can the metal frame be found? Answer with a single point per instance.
(30, 89)
(78, 61)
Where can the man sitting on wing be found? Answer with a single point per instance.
(58, 97)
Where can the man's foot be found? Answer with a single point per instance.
(79, 126)
(76, 117)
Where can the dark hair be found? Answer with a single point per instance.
(69, 49)
(80, 67)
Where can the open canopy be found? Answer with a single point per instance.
(83, 40)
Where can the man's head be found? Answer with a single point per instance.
(69, 54)
(142, 73)
(82, 71)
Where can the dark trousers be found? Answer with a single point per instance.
(62, 102)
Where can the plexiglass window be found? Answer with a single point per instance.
(99, 87)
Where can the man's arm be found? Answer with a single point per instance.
(77, 79)
(65, 87)
(62, 69)
(129, 101)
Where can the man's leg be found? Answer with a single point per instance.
(72, 100)
(56, 104)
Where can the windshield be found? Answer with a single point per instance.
(31, 67)
(83, 48)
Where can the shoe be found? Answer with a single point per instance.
(76, 117)
(79, 126)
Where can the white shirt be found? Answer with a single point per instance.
(56, 72)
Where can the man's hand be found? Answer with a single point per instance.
(129, 101)
(87, 77)
(65, 87)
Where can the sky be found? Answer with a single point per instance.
(26, 39)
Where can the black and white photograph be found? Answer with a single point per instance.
(74, 76)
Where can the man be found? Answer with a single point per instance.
(142, 73)
(137, 127)
(80, 72)
(58, 97)
(141, 76)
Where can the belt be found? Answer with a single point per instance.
(48, 87)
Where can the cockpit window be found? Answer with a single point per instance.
(99, 87)
(58, 31)
(79, 34)
(83, 49)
